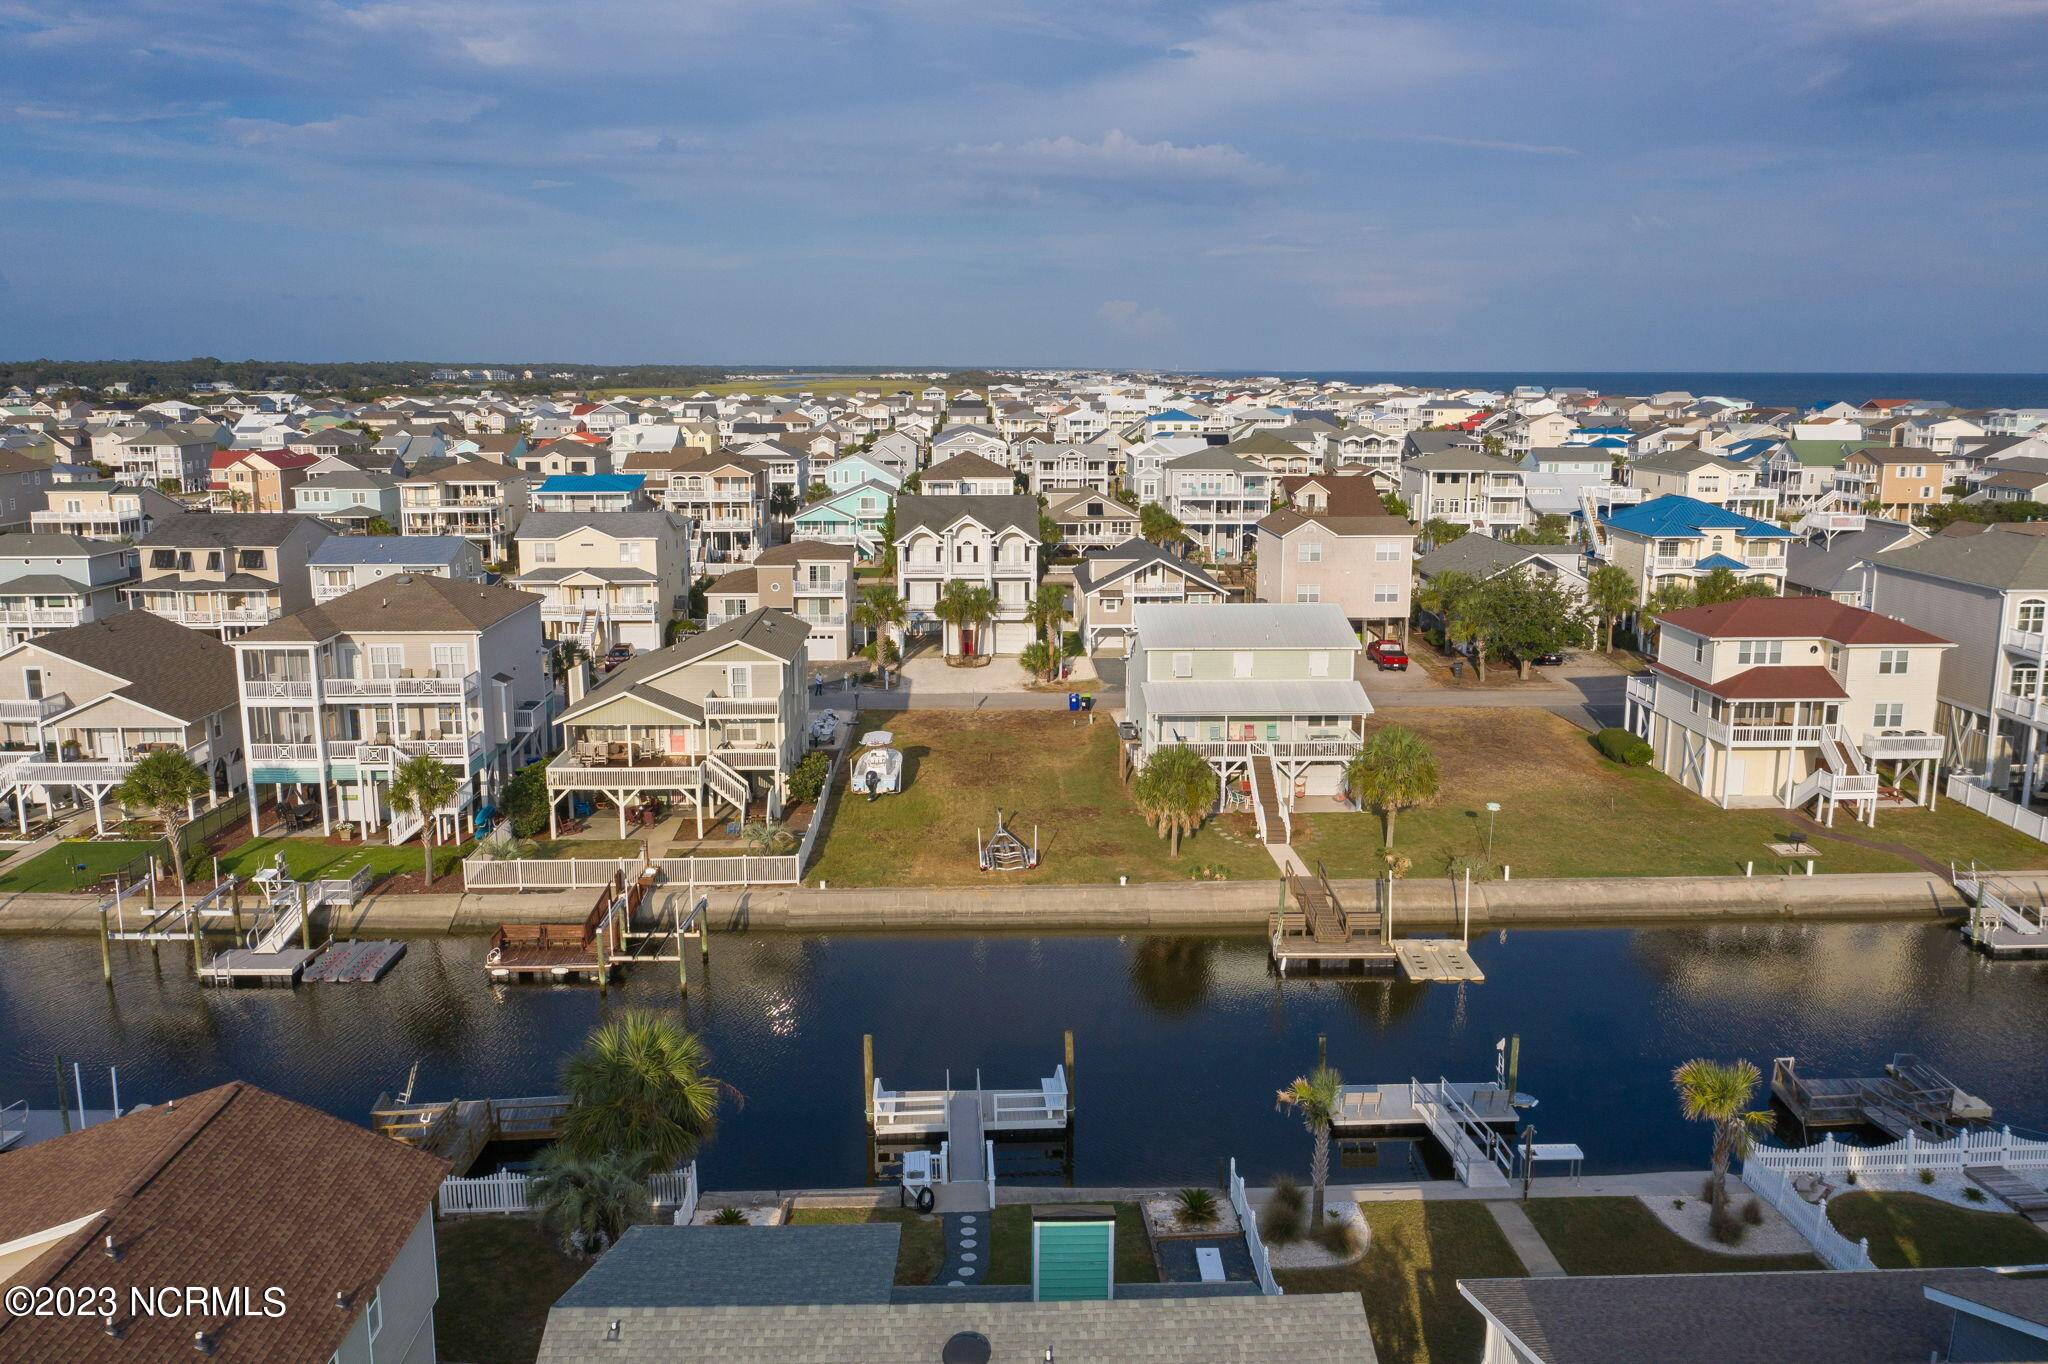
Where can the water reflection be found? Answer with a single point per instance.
(1180, 1039)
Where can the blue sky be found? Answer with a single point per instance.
(1727, 184)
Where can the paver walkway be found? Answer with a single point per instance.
(1527, 1241)
(967, 1242)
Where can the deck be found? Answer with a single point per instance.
(457, 1130)
(970, 1114)
(586, 951)
(252, 966)
(2023, 1196)
(1999, 924)
(1312, 926)
(1911, 1097)
(1440, 959)
(1462, 1118)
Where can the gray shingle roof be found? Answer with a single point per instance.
(224, 530)
(168, 668)
(1000, 511)
(1996, 558)
(1245, 625)
(670, 1266)
(777, 633)
(623, 525)
(390, 549)
(408, 602)
(1482, 556)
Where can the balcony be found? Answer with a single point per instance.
(44, 617)
(1895, 744)
(2030, 643)
(1328, 747)
(385, 751)
(758, 707)
(826, 622)
(36, 769)
(196, 617)
(33, 712)
(619, 766)
(2032, 709)
(277, 689)
(409, 686)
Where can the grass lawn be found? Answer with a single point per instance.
(1623, 821)
(918, 1254)
(305, 858)
(51, 869)
(1621, 1236)
(499, 1277)
(1409, 1278)
(1913, 1231)
(546, 849)
(1009, 1246)
(1040, 768)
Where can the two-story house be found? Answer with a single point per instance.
(1052, 467)
(259, 480)
(1466, 487)
(1219, 498)
(967, 475)
(226, 572)
(725, 497)
(1900, 481)
(98, 509)
(1109, 587)
(605, 578)
(855, 518)
(1705, 478)
(179, 455)
(717, 720)
(592, 493)
(349, 498)
(1091, 522)
(1268, 693)
(52, 582)
(811, 579)
(81, 706)
(343, 563)
(24, 482)
(335, 697)
(480, 501)
(1365, 565)
(1786, 701)
(1682, 537)
(989, 542)
(850, 471)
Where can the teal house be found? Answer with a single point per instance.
(854, 517)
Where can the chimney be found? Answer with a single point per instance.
(578, 680)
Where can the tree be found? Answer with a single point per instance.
(564, 659)
(1719, 1092)
(1176, 791)
(1315, 1097)
(1673, 594)
(1049, 534)
(1035, 658)
(818, 491)
(889, 538)
(166, 782)
(961, 605)
(588, 1202)
(880, 611)
(1394, 505)
(1721, 585)
(782, 501)
(1394, 771)
(524, 800)
(1550, 529)
(1160, 526)
(638, 1090)
(424, 784)
(377, 525)
(1610, 593)
(1048, 611)
(1523, 614)
(1438, 531)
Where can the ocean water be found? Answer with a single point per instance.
(1764, 389)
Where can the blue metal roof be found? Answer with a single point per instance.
(1171, 414)
(1675, 515)
(1721, 561)
(593, 483)
(1751, 448)
(389, 549)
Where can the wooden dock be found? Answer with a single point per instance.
(457, 1130)
(1312, 926)
(2021, 1195)
(354, 963)
(587, 951)
(1911, 1097)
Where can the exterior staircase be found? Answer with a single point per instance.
(1275, 824)
(1843, 777)
(1829, 515)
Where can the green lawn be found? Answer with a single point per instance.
(1009, 1246)
(1041, 769)
(306, 858)
(557, 848)
(51, 869)
(1912, 1231)
(919, 1253)
(1409, 1278)
(499, 1277)
(1623, 821)
(1621, 1236)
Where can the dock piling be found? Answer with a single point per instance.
(106, 953)
(1070, 1069)
(867, 1075)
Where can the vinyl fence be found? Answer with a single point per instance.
(1248, 1218)
(1831, 1157)
(510, 1191)
(1775, 1187)
(1968, 793)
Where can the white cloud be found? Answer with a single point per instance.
(1119, 156)
(1131, 318)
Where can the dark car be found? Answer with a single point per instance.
(1388, 654)
(1547, 660)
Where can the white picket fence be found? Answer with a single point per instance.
(480, 872)
(509, 1191)
(1248, 1218)
(1838, 1251)
(1829, 1156)
(1966, 792)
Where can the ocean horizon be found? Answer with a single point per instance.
(1766, 388)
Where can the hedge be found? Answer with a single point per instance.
(1624, 747)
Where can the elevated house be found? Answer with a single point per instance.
(1365, 565)
(99, 509)
(990, 542)
(349, 498)
(1111, 586)
(725, 498)
(592, 493)
(226, 572)
(855, 519)
(1268, 693)
(1091, 522)
(336, 697)
(1461, 484)
(605, 578)
(344, 563)
(717, 720)
(1682, 537)
(1705, 478)
(967, 475)
(51, 582)
(1791, 701)
(813, 580)
(477, 500)
(1219, 497)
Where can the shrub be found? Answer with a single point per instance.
(1678, 1203)
(1281, 1220)
(1338, 1235)
(1753, 1213)
(728, 1217)
(807, 781)
(1973, 1194)
(1196, 1207)
(1725, 1227)
(1618, 745)
(1926, 1176)
(1707, 1189)
(1850, 1176)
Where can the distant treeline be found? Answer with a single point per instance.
(167, 377)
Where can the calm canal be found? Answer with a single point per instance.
(1181, 1041)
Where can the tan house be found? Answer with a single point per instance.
(725, 497)
(1901, 481)
(227, 571)
(717, 720)
(261, 480)
(967, 475)
(605, 578)
(480, 501)
(812, 579)
(1110, 587)
(1364, 564)
(1706, 478)
(1786, 701)
(103, 511)
(24, 481)
(79, 707)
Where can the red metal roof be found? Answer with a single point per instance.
(1803, 683)
(1796, 618)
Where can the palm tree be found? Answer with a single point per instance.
(961, 605)
(1673, 594)
(589, 1202)
(1048, 610)
(424, 784)
(166, 782)
(1719, 1092)
(1160, 526)
(1610, 592)
(1394, 771)
(1176, 792)
(879, 611)
(638, 1089)
(1036, 659)
(1315, 1097)
(782, 501)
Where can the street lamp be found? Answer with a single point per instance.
(1492, 809)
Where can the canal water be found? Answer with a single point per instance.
(1181, 1041)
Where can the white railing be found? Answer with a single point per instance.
(509, 1191)
(2026, 707)
(1829, 1156)
(35, 770)
(278, 689)
(34, 711)
(1248, 1219)
(1903, 745)
(1975, 797)
(565, 771)
(1837, 1250)
(1989, 911)
(726, 782)
(1774, 734)
(337, 688)
(1046, 1104)
(58, 616)
(480, 872)
(677, 1189)
(1279, 748)
(915, 1111)
(988, 1158)
(1475, 1149)
(741, 705)
(285, 753)
(2033, 643)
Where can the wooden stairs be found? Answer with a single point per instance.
(1266, 799)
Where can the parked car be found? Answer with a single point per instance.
(1388, 655)
(1547, 660)
(616, 655)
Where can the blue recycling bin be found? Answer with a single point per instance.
(1073, 700)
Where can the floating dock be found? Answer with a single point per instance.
(1463, 1118)
(1999, 924)
(255, 966)
(1911, 1097)
(1425, 959)
(355, 963)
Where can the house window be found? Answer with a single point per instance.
(1699, 649)
(375, 1316)
(739, 682)
(387, 661)
(629, 552)
(1758, 652)
(249, 558)
(2033, 615)
(1311, 552)
(1241, 664)
(1183, 665)
(1384, 594)
(1387, 552)
(2026, 680)
(544, 551)
(1308, 594)
(450, 660)
(1891, 660)
(32, 681)
(1889, 714)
